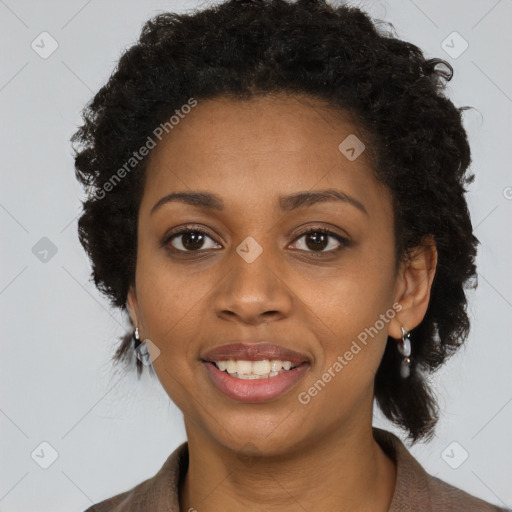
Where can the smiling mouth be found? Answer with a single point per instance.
(249, 370)
(249, 387)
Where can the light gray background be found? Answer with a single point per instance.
(58, 333)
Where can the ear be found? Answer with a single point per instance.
(133, 306)
(413, 285)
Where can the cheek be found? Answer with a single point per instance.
(351, 310)
(172, 302)
(353, 337)
(352, 297)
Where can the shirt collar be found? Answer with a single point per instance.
(161, 492)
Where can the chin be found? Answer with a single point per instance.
(256, 436)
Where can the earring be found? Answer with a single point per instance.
(404, 347)
(136, 338)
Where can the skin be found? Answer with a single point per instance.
(279, 455)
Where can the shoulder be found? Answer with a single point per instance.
(418, 489)
(447, 497)
(110, 504)
(159, 492)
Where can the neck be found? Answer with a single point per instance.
(344, 471)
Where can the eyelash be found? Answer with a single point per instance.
(344, 242)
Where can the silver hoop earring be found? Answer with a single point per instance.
(136, 338)
(404, 347)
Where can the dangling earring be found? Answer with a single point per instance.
(136, 338)
(404, 347)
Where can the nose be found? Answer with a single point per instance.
(253, 293)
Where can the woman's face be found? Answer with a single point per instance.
(254, 276)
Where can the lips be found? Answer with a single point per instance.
(254, 352)
(255, 391)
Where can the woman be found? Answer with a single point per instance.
(276, 196)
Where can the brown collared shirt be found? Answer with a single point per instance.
(415, 489)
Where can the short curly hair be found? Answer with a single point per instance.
(243, 48)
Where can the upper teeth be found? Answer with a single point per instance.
(263, 367)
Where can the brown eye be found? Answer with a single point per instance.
(191, 241)
(319, 239)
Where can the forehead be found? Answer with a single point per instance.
(260, 148)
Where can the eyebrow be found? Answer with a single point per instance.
(209, 201)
